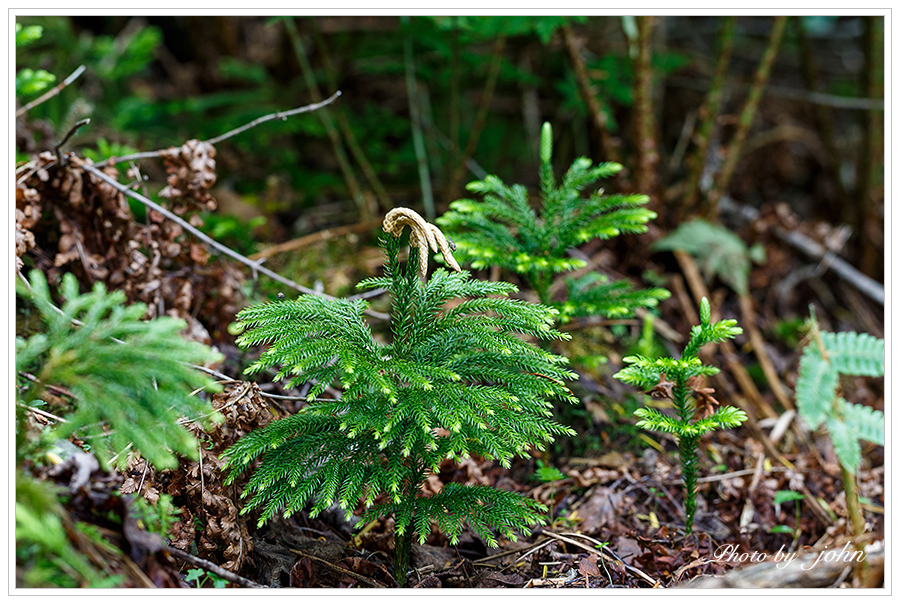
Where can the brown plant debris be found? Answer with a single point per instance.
(73, 221)
(198, 485)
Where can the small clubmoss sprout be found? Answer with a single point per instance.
(696, 411)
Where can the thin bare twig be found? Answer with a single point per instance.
(325, 116)
(804, 96)
(213, 568)
(52, 92)
(480, 118)
(255, 266)
(594, 550)
(323, 235)
(444, 140)
(44, 413)
(344, 126)
(57, 390)
(827, 100)
(824, 122)
(69, 135)
(759, 348)
(340, 569)
(483, 561)
(871, 288)
(282, 115)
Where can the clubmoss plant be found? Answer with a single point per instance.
(681, 380)
(128, 384)
(131, 379)
(504, 230)
(455, 381)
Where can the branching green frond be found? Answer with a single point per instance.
(595, 295)
(723, 417)
(616, 222)
(651, 419)
(644, 373)
(132, 379)
(845, 353)
(846, 443)
(855, 353)
(815, 387)
(704, 334)
(867, 423)
(483, 509)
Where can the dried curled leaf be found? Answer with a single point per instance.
(423, 235)
(663, 389)
(706, 403)
(198, 487)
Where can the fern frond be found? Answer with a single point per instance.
(815, 387)
(844, 353)
(595, 295)
(846, 443)
(723, 417)
(855, 353)
(651, 419)
(704, 334)
(644, 373)
(483, 509)
(867, 423)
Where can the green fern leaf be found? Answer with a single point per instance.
(846, 443)
(865, 422)
(855, 353)
(719, 251)
(815, 387)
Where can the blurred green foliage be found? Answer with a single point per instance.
(132, 93)
(30, 81)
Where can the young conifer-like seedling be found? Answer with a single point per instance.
(681, 380)
(131, 376)
(503, 229)
(456, 380)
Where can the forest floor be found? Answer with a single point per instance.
(614, 493)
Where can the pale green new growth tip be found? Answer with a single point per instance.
(546, 143)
